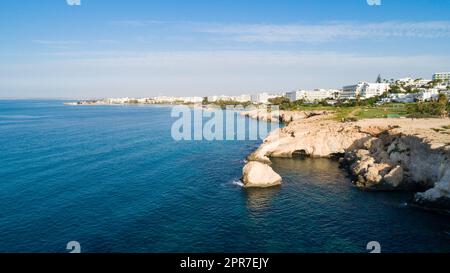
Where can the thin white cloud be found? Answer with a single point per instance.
(136, 23)
(107, 41)
(270, 33)
(304, 32)
(57, 42)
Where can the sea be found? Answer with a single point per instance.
(113, 179)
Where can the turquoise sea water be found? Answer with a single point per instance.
(113, 179)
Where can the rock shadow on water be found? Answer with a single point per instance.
(323, 170)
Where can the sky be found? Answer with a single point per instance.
(142, 48)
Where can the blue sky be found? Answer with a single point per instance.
(197, 47)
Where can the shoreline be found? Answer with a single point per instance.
(391, 154)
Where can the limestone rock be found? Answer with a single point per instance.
(382, 154)
(257, 174)
(394, 177)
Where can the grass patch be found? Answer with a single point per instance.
(356, 111)
(369, 112)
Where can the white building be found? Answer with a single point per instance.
(213, 98)
(120, 100)
(428, 95)
(243, 98)
(226, 98)
(319, 94)
(371, 90)
(240, 98)
(406, 81)
(400, 98)
(191, 99)
(260, 98)
(350, 92)
(295, 95)
(443, 76)
(363, 90)
(273, 96)
(313, 95)
(144, 100)
(441, 87)
(217, 98)
(164, 99)
(409, 82)
(421, 82)
(336, 93)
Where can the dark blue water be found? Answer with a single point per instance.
(113, 179)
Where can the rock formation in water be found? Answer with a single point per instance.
(256, 174)
(381, 154)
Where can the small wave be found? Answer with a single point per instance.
(403, 205)
(238, 183)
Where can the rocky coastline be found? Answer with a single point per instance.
(379, 154)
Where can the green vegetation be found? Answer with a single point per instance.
(224, 103)
(439, 108)
(366, 112)
(352, 112)
(346, 111)
(279, 101)
(379, 79)
(434, 83)
(394, 89)
(414, 90)
(360, 109)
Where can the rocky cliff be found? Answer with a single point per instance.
(381, 154)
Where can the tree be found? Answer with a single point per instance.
(442, 99)
(279, 100)
(379, 79)
(437, 108)
(394, 88)
(442, 105)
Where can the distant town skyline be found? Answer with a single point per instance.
(201, 48)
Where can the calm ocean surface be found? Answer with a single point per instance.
(112, 178)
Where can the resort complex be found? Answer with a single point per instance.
(403, 90)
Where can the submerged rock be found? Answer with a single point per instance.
(257, 174)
